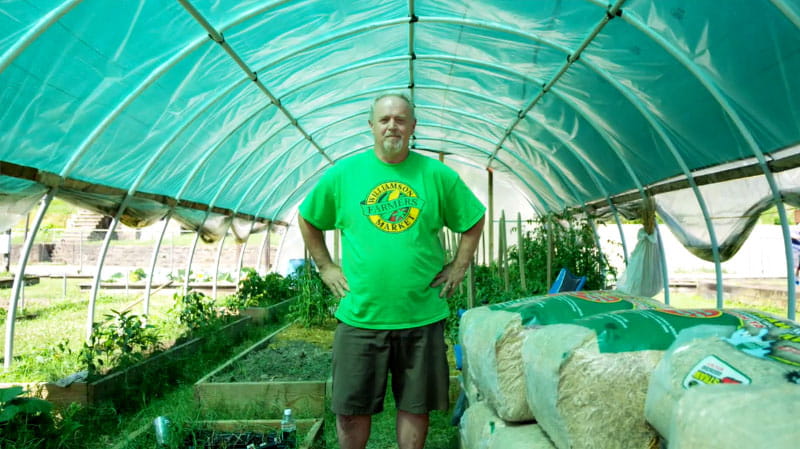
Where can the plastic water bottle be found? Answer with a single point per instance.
(288, 430)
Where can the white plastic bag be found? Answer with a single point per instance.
(644, 276)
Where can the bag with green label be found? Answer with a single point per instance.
(765, 350)
(586, 381)
(491, 338)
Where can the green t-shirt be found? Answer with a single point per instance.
(390, 216)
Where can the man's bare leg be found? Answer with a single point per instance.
(353, 430)
(412, 429)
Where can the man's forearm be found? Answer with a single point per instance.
(315, 242)
(469, 243)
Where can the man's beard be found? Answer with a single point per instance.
(392, 145)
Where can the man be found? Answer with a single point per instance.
(390, 204)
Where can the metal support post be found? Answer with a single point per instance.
(19, 278)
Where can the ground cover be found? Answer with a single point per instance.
(297, 353)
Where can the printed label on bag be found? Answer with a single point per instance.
(568, 307)
(643, 330)
(712, 371)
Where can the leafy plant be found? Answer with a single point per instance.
(137, 275)
(573, 244)
(120, 341)
(25, 422)
(257, 291)
(194, 310)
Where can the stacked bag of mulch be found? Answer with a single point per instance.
(491, 339)
(586, 381)
(481, 428)
(741, 390)
(730, 416)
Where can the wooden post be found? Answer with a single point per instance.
(502, 254)
(471, 286)
(521, 254)
(490, 220)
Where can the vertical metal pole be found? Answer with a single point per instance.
(621, 235)
(153, 260)
(490, 221)
(64, 287)
(101, 258)
(80, 251)
(172, 253)
(549, 230)
(191, 257)
(279, 252)
(8, 260)
(241, 255)
(599, 249)
(11, 317)
(483, 247)
(216, 263)
(264, 244)
(664, 271)
(521, 254)
(268, 255)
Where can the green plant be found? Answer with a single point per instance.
(257, 291)
(24, 422)
(120, 341)
(180, 276)
(137, 275)
(194, 310)
(315, 303)
(573, 245)
(51, 362)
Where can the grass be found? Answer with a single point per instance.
(49, 318)
(441, 434)
(694, 301)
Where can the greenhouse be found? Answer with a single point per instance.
(219, 118)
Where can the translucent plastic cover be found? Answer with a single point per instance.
(239, 107)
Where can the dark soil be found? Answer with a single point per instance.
(283, 360)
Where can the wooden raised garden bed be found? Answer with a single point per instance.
(280, 371)
(309, 431)
(145, 374)
(273, 313)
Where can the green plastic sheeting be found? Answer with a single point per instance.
(238, 107)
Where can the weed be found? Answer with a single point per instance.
(315, 303)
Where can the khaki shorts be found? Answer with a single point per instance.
(415, 357)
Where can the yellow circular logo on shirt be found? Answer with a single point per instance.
(392, 206)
